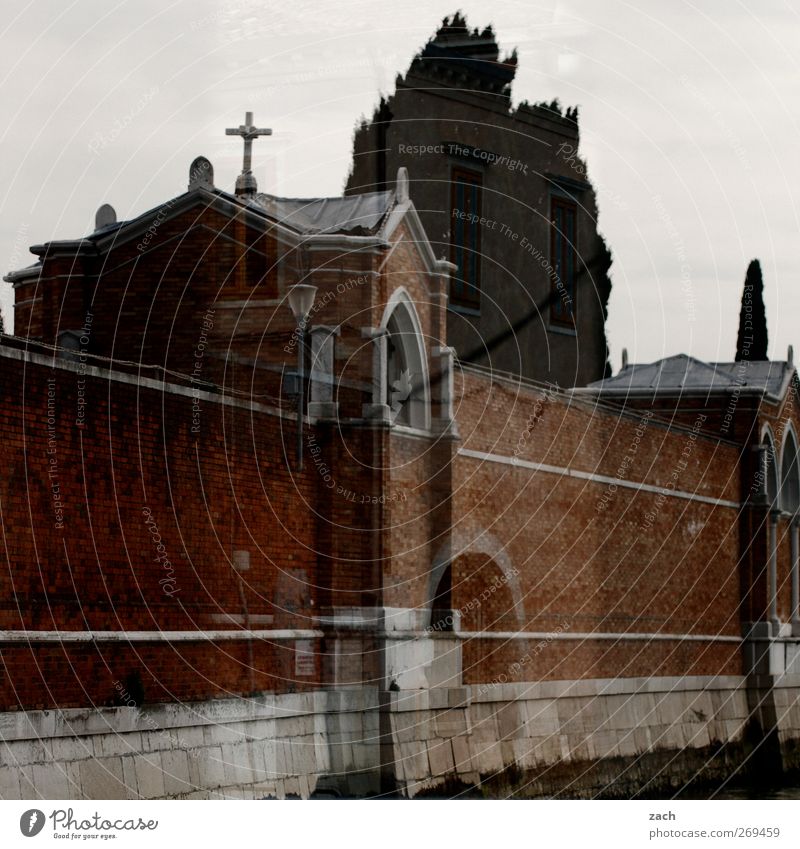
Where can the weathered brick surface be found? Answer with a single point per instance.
(536, 505)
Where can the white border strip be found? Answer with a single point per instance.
(595, 635)
(153, 636)
(590, 476)
(53, 362)
(299, 634)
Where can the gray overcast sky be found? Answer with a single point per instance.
(689, 121)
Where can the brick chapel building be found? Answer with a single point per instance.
(455, 581)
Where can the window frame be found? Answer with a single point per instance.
(562, 314)
(460, 176)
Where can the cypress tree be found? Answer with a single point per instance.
(751, 342)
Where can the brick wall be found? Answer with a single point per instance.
(591, 555)
(130, 521)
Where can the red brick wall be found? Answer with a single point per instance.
(595, 556)
(96, 564)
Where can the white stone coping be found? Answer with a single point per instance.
(22, 636)
(367, 624)
(416, 700)
(551, 636)
(563, 471)
(395, 619)
(81, 722)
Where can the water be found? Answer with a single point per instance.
(759, 793)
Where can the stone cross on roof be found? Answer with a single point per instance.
(246, 182)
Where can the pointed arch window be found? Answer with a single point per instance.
(790, 476)
(770, 470)
(790, 503)
(406, 375)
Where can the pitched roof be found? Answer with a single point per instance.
(353, 214)
(683, 374)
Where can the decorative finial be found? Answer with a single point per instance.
(105, 217)
(201, 174)
(624, 358)
(246, 183)
(402, 185)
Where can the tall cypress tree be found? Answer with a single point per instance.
(751, 343)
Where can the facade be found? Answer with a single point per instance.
(473, 582)
(504, 195)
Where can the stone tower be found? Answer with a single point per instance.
(503, 194)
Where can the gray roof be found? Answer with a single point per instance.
(682, 374)
(355, 214)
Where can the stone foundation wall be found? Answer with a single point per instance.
(613, 737)
(570, 737)
(268, 747)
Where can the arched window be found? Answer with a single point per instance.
(770, 469)
(406, 367)
(790, 476)
(790, 503)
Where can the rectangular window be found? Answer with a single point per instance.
(563, 260)
(465, 238)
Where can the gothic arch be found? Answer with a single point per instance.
(406, 355)
(790, 472)
(771, 467)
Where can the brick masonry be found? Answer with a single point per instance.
(160, 539)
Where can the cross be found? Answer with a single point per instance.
(248, 132)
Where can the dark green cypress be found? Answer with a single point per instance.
(751, 342)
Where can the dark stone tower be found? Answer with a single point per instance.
(503, 194)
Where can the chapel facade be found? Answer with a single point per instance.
(257, 552)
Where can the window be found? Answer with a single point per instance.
(770, 471)
(790, 480)
(465, 238)
(398, 376)
(563, 259)
(406, 377)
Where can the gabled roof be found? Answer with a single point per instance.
(682, 374)
(353, 214)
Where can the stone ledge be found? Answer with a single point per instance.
(604, 687)
(81, 722)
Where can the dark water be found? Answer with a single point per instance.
(758, 793)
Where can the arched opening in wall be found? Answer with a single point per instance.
(771, 491)
(789, 596)
(406, 370)
(770, 470)
(482, 595)
(442, 606)
(790, 476)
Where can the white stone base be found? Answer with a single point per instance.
(266, 747)
(294, 744)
